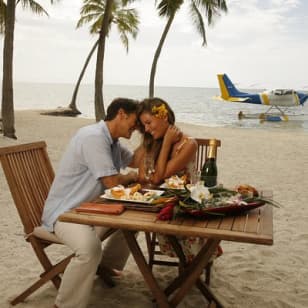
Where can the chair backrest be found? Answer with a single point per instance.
(202, 151)
(29, 174)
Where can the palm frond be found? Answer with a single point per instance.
(124, 40)
(168, 8)
(92, 7)
(85, 19)
(34, 6)
(198, 21)
(126, 19)
(212, 8)
(205, 8)
(97, 25)
(126, 2)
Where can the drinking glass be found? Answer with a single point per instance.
(195, 177)
(149, 166)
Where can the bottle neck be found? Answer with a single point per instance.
(212, 152)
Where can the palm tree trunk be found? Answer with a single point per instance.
(8, 120)
(157, 54)
(98, 99)
(72, 105)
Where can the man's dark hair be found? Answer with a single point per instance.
(128, 105)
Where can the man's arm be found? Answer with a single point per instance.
(119, 179)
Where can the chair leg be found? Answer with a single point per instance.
(208, 269)
(45, 277)
(39, 247)
(150, 241)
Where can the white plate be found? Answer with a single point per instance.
(165, 186)
(107, 195)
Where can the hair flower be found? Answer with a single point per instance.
(160, 111)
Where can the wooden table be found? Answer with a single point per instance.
(255, 226)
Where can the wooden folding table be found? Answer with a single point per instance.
(255, 226)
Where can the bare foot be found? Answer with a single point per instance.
(108, 274)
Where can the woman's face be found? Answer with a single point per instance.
(155, 126)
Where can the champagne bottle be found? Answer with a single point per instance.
(209, 169)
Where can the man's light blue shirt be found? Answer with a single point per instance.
(90, 155)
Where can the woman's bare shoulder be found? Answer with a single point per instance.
(190, 140)
(186, 142)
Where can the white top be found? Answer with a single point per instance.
(90, 155)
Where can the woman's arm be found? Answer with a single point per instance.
(141, 169)
(172, 135)
(181, 159)
(166, 166)
(137, 157)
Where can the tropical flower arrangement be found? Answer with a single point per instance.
(202, 201)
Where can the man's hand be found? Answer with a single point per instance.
(132, 177)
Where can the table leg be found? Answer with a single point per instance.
(145, 270)
(208, 294)
(190, 275)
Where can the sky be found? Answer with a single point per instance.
(259, 44)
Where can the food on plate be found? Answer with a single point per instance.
(138, 196)
(134, 193)
(245, 189)
(176, 182)
(134, 189)
(118, 192)
(164, 200)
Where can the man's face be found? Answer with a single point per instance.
(128, 124)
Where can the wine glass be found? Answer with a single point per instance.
(149, 166)
(195, 179)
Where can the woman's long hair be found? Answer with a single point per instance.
(151, 105)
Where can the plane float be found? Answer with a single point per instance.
(279, 99)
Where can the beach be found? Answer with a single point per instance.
(246, 275)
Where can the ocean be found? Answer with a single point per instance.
(191, 105)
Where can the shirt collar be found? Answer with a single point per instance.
(107, 133)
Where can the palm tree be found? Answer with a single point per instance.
(102, 14)
(7, 11)
(169, 8)
(72, 104)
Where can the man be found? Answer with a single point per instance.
(90, 165)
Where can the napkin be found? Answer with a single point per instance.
(101, 208)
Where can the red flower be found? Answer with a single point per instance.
(167, 212)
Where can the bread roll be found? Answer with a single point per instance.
(117, 192)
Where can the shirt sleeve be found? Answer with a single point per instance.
(97, 155)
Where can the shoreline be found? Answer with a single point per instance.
(245, 275)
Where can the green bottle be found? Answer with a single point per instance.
(209, 169)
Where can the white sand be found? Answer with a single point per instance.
(246, 275)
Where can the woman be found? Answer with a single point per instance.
(165, 147)
(166, 151)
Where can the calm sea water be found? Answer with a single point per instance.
(191, 105)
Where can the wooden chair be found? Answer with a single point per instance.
(152, 243)
(29, 174)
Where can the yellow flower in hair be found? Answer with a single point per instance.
(160, 111)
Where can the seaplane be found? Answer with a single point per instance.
(278, 99)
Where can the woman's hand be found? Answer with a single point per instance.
(173, 134)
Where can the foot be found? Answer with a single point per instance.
(107, 274)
